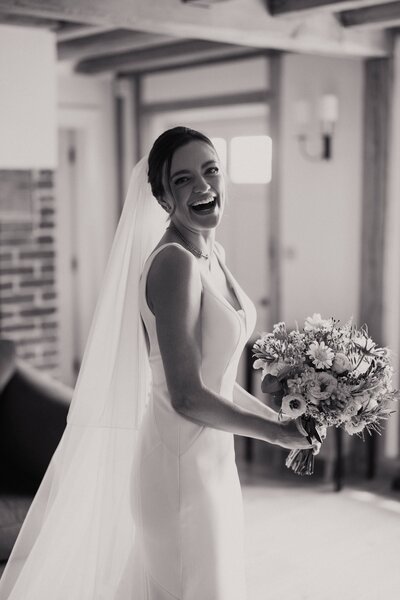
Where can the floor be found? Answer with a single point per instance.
(306, 542)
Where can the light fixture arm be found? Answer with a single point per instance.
(328, 110)
(325, 152)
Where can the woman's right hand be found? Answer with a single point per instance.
(290, 437)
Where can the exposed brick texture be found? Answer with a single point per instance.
(28, 296)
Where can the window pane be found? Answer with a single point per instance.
(220, 146)
(250, 159)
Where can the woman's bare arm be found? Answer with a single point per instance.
(243, 398)
(174, 292)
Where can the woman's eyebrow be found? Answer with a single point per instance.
(180, 172)
(208, 162)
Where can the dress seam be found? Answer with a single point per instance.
(161, 586)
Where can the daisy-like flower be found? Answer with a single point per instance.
(321, 355)
(321, 387)
(317, 322)
(293, 405)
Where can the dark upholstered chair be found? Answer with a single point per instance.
(33, 410)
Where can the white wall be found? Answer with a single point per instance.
(27, 98)
(321, 201)
(210, 80)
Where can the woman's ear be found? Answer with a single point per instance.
(167, 199)
(165, 204)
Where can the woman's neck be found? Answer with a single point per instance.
(203, 241)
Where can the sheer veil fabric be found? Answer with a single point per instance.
(78, 537)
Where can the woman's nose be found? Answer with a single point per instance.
(201, 185)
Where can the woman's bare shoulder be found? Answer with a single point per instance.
(173, 272)
(172, 258)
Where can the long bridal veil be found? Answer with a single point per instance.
(78, 538)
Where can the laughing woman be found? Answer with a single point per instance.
(197, 320)
(182, 537)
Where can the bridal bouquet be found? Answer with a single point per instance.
(327, 375)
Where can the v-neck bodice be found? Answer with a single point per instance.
(232, 285)
(220, 320)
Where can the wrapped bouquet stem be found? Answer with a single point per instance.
(326, 375)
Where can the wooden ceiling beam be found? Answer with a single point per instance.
(196, 61)
(300, 7)
(57, 10)
(161, 56)
(243, 22)
(111, 42)
(372, 17)
(74, 31)
(28, 21)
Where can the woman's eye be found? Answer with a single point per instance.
(213, 170)
(181, 180)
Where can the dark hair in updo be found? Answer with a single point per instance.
(163, 150)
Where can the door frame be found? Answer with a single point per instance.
(97, 223)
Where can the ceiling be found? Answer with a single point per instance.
(102, 44)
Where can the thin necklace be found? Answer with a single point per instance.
(196, 251)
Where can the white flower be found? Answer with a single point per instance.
(293, 405)
(353, 406)
(273, 368)
(259, 363)
(372, 403)
(321, 355)
(364, 342)
(353, 428)
(317, 322)
(341, 363)
(362, 366)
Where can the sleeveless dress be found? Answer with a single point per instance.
(187, 500)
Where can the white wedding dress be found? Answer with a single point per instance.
(187, 502)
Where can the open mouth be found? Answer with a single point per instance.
(206, 205)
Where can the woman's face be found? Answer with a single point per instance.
(197, 186)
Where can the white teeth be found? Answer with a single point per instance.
(204, 201)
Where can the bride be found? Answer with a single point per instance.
(142, 500)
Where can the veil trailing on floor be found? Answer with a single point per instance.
(78, 538)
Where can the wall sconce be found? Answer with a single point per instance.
(328, 112)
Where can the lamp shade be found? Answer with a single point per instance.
(329, 108)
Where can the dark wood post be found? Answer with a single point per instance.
(377, 94)
(248, 448)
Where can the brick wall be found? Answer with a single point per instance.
(28, 298)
